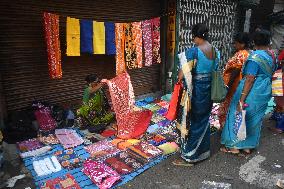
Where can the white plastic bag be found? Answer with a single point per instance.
(242, 131)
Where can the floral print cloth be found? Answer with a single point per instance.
(51, 28)
(69, 138)
(64, 182)
(102, 150)
(68, 158)
(124, 163)
(49, 139)
(102, 175)
(156, 40)
(147, 42)
(44, 119)
(29, 145)
(131, 124)
(145, 150)
(120, 46)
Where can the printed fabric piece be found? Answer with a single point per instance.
(29, 145)
(44, 119)
(102, 150)
(68, 158)
(131, 124)
(99, 37)
(86, 38)
(137, 42)
(124, 163)
(124, 144)
(133, 45)
(68, 138)
(147, 42)
(102, 175)
(110, 38)
(145, 150)
(73, 37)
(49, 139)
(120, 46)
(63, 182)
(51, 28)
(156, 40)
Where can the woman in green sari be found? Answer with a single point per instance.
(95, 109)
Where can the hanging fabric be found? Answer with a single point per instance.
(156, 39)
(120, 45)
(133, 45)
(137, 42)
(99, 37)
(51, 28)
(130, 56)
(73, 37)
(147, 42)
(110, 38)
(86, 38)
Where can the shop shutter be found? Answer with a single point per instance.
(23, 59)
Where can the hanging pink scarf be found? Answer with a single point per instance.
(51, 27)
(156, 39)
(147, 42)
(131, 124)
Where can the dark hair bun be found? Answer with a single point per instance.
(200, 30)
(261, 37)
(243, 38)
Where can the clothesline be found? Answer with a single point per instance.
(103, 20)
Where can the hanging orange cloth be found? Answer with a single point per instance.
(51, 28)
(137, 42)
(120, 46)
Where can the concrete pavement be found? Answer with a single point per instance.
(261, 169)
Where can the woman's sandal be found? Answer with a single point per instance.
(229, 151)
(247, 151)
(182, 162)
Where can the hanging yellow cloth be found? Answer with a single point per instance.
(73, 37)
(99, 37)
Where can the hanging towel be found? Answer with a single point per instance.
(51, 28)
(73, 37)
(99, 37)
(137, 40)
(120, 45)
(86, 38)
(156, 39)
(110, 38)
(147, 42)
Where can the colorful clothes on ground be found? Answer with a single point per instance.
(51, 27)
(29, 145)
(68, 138)
(236, 62)
(62, 182)
(196, 104)
(102, 175)
(68, 158)
(259, 64)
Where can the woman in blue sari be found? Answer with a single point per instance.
(255, 91)
(196, 65)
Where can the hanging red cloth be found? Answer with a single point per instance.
(130, 123)
(156, 39)
(51, 28)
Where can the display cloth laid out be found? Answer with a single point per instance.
(74, 164)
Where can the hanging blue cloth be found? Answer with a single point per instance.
(86, 31)
(110, 38)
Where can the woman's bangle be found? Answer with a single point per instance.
(244, 93)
